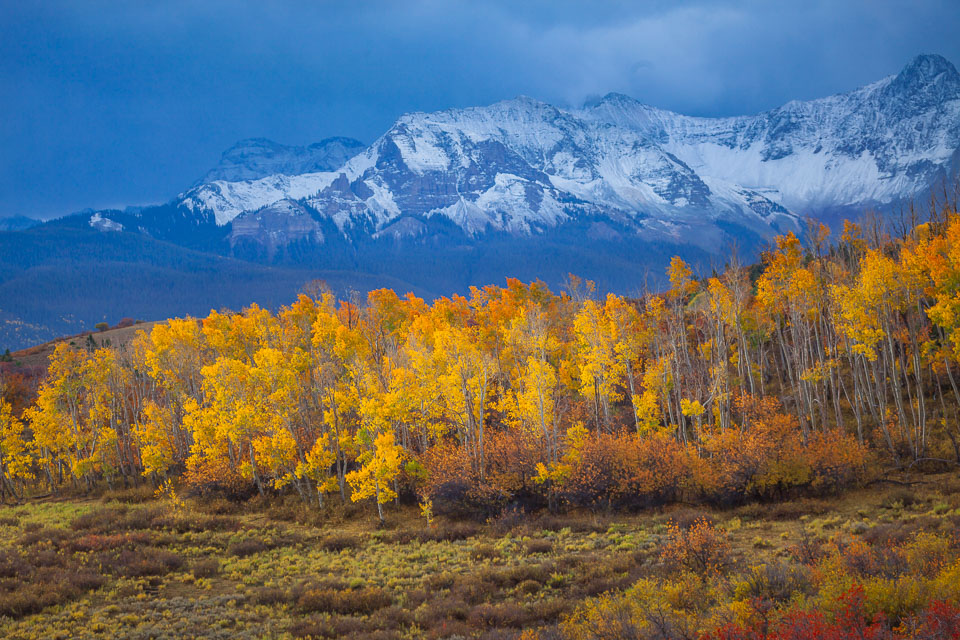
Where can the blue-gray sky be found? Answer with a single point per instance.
(107, 103)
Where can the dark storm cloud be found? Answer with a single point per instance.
(109, 103)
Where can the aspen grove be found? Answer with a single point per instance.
(831, 357)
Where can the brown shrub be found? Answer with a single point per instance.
(508, 520)
(392, 617)
(888, 533)
(548, 611)
(206, 568)
(131, 495)
(440, 532)
(549, 522)
(539, 546)
(529, 587)
(484, 552)
(12, 564)
(340, 542)
(808, 550)
(901, 496)
(448, 628)
(271, 596)
(48, 558)
(26, 601)
(247, 547)
(413, 598)
(328, 628)
(35, 588)
(220, 507)
(795, 509)
(450, 532)
(348, 602)
(99, 520)
(195, 523)
(84, 580)
(778, 582)
(457, 489)
(767, 457)
(147, 562)
(439, 581)
(627, 472)
(506, 614)
(864, 560)
(149, 517)
(509, 577)
(52, 535)
(594, 585)
(439, 610)
(473, 588)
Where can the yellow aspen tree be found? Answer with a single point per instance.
(789, 294)
(173, 354)
(631, 337)
(464, 374)
(721, 316)
(103, 412)
(16, 453)
(656, 385)
(227, 422)
(601, 371)
(156, 443)
(530, 402)
(60, 428)
(380, 456)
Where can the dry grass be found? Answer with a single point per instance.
(118, 566)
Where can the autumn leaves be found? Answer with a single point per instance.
(510, 391)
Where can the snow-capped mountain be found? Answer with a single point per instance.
(523, 167)
(258, 158)
(444, 201)
(883, 142)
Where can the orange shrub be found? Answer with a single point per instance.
(457, 488)
(701, 548)
(766, 457)
(626, 471)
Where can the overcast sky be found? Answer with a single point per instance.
(114, 103)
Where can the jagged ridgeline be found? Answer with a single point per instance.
(780, 380)
(443, 201)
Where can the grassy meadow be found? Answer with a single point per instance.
(131, 565)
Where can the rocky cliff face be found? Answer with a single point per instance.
(273, 227)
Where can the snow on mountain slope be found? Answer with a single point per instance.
(875, 144)
(524, 167)
(227, 200)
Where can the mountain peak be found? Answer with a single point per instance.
(928, 66)
(350, 143)
(615, 97)
(252, 142)
(254, 158)
(926, 71)
(927, 81)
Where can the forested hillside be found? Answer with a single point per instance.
(756, 383)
